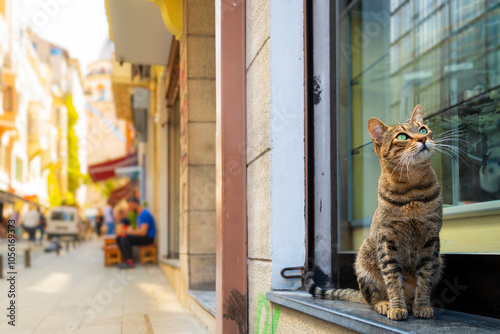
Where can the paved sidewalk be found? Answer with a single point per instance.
(75, 293)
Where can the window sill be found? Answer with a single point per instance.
(171, 262)
(472, 210)
(361, 318)
(206, 299)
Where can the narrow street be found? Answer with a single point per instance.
(75, 293)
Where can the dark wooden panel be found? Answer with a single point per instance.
(470, 284)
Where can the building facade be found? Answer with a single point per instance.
(259, 164)
(39, 83)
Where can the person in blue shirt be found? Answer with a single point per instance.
(143, 234)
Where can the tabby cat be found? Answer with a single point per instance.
(399, 263)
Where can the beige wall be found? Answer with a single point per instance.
(102, 142)
(258, 155)
(197, 186)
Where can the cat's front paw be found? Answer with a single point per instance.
(397, 314)
(425, 312)
(382, 307)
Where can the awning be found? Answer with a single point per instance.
(139, 32)
(6, 197)
(124, 192)
(106, 170)
(11, 198)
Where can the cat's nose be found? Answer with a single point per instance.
(422, 140)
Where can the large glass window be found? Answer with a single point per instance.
(444, 55)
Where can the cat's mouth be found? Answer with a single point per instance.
(424, 150)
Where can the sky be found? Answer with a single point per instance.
(79, 26)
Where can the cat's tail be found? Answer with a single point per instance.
(316, 291)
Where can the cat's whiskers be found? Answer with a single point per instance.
(453, 152)
(411, 154)
(394, 157)
(452, 138)
(452, 131)
(404, 155)
(394, 116)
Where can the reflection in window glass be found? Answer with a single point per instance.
(444, 55)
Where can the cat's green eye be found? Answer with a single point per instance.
(423, 131)
(402, 136)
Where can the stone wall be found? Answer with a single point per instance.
(258, 88)
(197, 101)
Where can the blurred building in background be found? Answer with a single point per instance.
(43, 123)
(107, 135)
(110, 143)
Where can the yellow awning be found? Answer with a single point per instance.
(143, 30)
(171, 11)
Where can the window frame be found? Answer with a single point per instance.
(174, 173)
(469, 283)
(172, 96)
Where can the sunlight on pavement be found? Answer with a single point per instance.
(148, 288)
(54, 283)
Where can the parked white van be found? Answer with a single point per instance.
(63, 221)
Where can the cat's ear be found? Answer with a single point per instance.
(377, 129)
(416, 115)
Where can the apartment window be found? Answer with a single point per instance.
(33, 121)
(56, 51)
(58, 116)
(387, 57)
(19, 170)
(3, 156)
(102, 92)
(7, 98)
(4, 153)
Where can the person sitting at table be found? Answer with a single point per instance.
(143, 234)
(122, 221)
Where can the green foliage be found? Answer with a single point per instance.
(132, 216)
(69, 199)
(108, 187)
(86, 179)
(53, 187)
(75, 177)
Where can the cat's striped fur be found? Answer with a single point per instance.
(399, 262)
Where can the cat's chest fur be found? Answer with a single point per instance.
(409, 214)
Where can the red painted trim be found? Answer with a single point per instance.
(231, 247)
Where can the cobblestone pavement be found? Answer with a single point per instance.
(75, 293)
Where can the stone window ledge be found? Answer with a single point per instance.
(206, 299)
(361, 318)
(171, 262)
